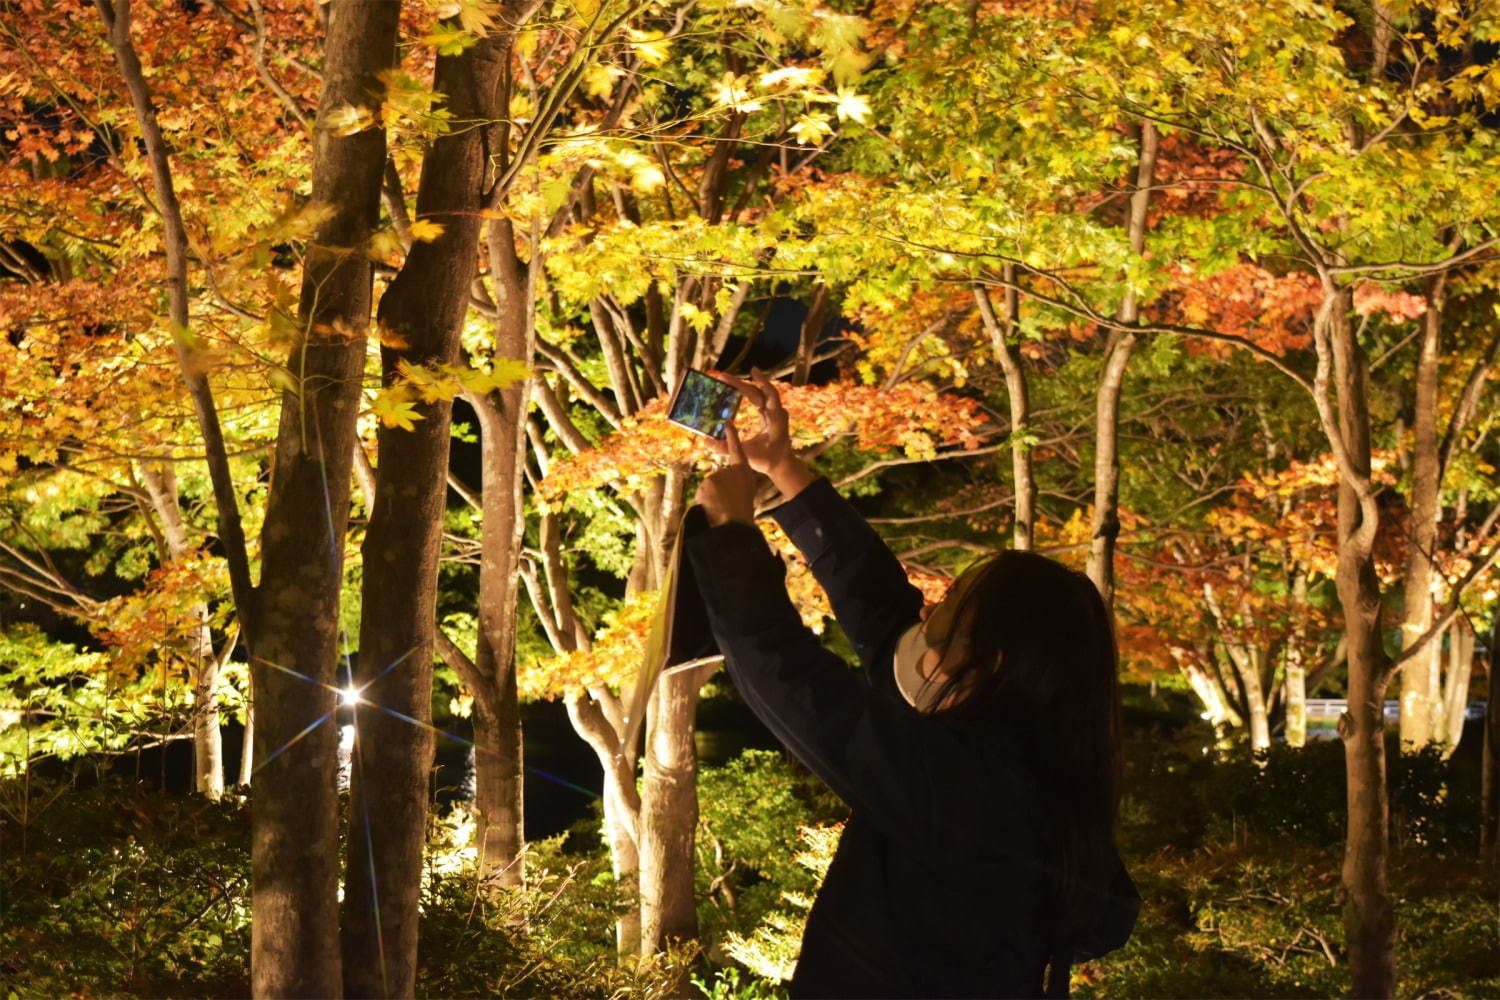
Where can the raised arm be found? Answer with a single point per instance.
(866, 586)
(870, 594)
(862, 744)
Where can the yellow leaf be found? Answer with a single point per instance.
(425, 230)
(525, 43)
(347, 119)
(852, 105)
(599, 80)
(652, 47)
(395, 410)
(647, 178)
(811, 128)
(477, 16)
(791, 76)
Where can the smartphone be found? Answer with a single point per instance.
(703, 404)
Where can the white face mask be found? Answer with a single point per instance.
(910, 649)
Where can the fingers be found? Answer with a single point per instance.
(747, 389)
(761, 392)
(732, 446)
(771, 398)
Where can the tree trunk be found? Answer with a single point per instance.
(294, 853)
(598, 718)
(1369, 915)
(424, 309)
(1489, 778)
(498, 766)
(247, 744)
(1217, 709)
(669, 798)
(1002, 330)
(1296, 667)
(1249, 667)
(595, 716)
(208, 744)
(1105, 527)
(669, 814)
(1421, 675)
(1455, 687)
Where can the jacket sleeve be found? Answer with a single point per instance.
(825, 712)
(866, 586)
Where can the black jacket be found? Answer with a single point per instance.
(937, 886)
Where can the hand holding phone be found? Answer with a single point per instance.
(704, 404)
(770, 450)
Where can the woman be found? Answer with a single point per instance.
(978, 749)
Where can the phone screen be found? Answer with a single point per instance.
(704, 404)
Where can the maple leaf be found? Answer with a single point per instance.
(478, 16)
(599, 80)
(505, 373)
(811, 128)
(395, 409)
(652, 47)
(732, 92)
(848, 104)
(449, 41)
(792, 76)
(425, 230)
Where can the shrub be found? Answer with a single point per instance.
(1262, 917)
(118, 889)
(749, 813)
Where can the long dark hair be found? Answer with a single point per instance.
(1030, 642)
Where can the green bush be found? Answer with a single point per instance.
(1263, 917)
(554, 938)
(119, 890)
(1181, 791)
(749, 812)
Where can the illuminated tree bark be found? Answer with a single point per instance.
(208, 743)
(1105, 525)
(1369, 915)
(423, 310)
(1296, 667)
(1001, 331)
(1421, 674)
(294, 860)
(290, 620)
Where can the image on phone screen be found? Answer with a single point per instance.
(704, 404)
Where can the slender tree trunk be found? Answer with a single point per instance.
(1369, 914)
(1489, 778)
(1001, 330)
(1249, 667)
(294, 853)
(1105, 527)
(1218, 710)
(498, 764)
(1296, 667)
(596, 717)
(424, 308)
(208, 744)
(669, 798)
(1455, 687)
(1421, 675)
(669, 814)
(247, 745)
